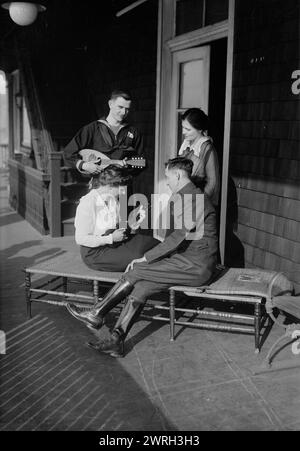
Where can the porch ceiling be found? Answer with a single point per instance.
(65, 23)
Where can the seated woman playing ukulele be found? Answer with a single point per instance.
(103, 245)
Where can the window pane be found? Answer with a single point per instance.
(16, 111)
(189, 15)
(216, 11)
(191, 75)
(26, 133)
(3, 110)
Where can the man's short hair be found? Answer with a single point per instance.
(184, 164)
(120, 93)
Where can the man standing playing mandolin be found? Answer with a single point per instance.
(112, 136)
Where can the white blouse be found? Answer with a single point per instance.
(94, 217)
(196, 147)
(206, 166)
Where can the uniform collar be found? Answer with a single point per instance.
(104, 121)
(186, 189)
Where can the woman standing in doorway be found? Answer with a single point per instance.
(198, 147)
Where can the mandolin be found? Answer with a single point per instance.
(99, 158)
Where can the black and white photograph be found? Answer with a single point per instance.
(149, 219)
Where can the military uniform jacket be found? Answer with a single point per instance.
(191, 238)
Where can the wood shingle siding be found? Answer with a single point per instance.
(265, 135)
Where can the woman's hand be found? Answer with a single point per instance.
(137, 260)
(119, 235)
(136, 217)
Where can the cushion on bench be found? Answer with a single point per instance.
(253, 282)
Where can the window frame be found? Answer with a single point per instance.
(25, 145)
(20, 146)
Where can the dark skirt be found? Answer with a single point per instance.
(115, 257)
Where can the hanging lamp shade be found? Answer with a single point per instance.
(23, 13)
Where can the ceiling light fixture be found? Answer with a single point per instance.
(23, 13)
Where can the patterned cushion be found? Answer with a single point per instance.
(253, 282)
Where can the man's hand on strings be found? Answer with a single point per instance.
(91, 168)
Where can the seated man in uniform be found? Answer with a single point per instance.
(187, 256)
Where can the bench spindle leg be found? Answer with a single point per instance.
(28, 293)
(257, 323)
(65, 284)
(172, 314)
(96, 291)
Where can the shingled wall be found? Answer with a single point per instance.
(265, 150)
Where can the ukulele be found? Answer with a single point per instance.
(99, 158)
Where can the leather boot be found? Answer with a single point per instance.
(114, 345)
(94, 317)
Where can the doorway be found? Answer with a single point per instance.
(190, 86)
(215, 31)
(199, 80)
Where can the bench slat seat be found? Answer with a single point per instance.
(72, 266)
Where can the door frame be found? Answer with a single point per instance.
(166, 48)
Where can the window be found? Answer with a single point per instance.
(3, 110)
(215, 11)
(25, 127)
(194, 14)
(190, 86)
(21, 126)
(190, 92)
(189, 15)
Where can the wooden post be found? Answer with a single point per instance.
(257, 326)
(172, 314)
(227, 129)
(10, 117)
(96, 291)
(55, 195)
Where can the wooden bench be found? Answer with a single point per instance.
(56, 275)
(236, 285)
(61, 270)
